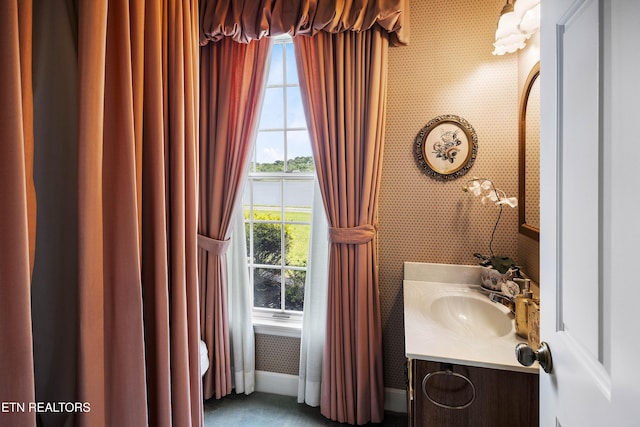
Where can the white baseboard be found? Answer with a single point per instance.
(273, 382)
(395, 400)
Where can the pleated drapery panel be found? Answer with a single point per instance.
(246, 20)
(138, 99)
(232, 79)
(17, 215)
(343, 82)
(169, 255)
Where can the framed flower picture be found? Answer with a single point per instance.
(446, 147)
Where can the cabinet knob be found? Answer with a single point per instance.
(526, 356)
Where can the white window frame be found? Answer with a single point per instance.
(277, 321)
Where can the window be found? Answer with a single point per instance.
(279, 193)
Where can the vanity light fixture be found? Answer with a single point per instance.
(528, 14)
(518, 21)
(508, 35)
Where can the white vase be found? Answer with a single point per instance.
(493, 280)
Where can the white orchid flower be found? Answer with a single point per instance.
(491, 196)
(478, 186)
(475, 188)
(511, 201)
(486, 189)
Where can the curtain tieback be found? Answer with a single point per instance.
(358, 235)
(213, 246)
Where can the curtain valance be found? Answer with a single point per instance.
(246, 20)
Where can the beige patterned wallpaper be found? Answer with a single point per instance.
(277, 354)
(447, 69)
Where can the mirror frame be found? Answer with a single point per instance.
(524, 228)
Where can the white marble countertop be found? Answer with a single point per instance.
(427, 339)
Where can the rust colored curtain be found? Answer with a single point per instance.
(232, 78)
(343, 79)
(17, 215)
(246, 20)
(138, 298)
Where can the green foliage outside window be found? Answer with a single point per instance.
(267, 239)
(267, 250)
(297, 164)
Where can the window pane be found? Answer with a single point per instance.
(275, 68)
(272, 115)
(297, 215)
(297, 195)
(294, 290)
(292, 72)
(300, 157)
(270, 152)
(266, 288)
(267, 243)
(295, 111)
(267, 196)
(297, 248)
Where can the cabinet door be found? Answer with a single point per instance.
(501, 398)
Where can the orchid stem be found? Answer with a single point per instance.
(495, 226)
(499, 197)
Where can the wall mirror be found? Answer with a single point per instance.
(529, 156)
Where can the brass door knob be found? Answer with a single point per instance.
(526, 356)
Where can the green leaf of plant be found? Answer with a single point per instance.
(502, 264)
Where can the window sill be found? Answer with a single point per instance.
(284, 328)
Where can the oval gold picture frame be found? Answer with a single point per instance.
(446, 147)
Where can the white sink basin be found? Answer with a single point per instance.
(471, 317)
(449, 318)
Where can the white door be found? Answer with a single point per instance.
(590, 212)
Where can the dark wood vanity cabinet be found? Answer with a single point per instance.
(470, 396)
